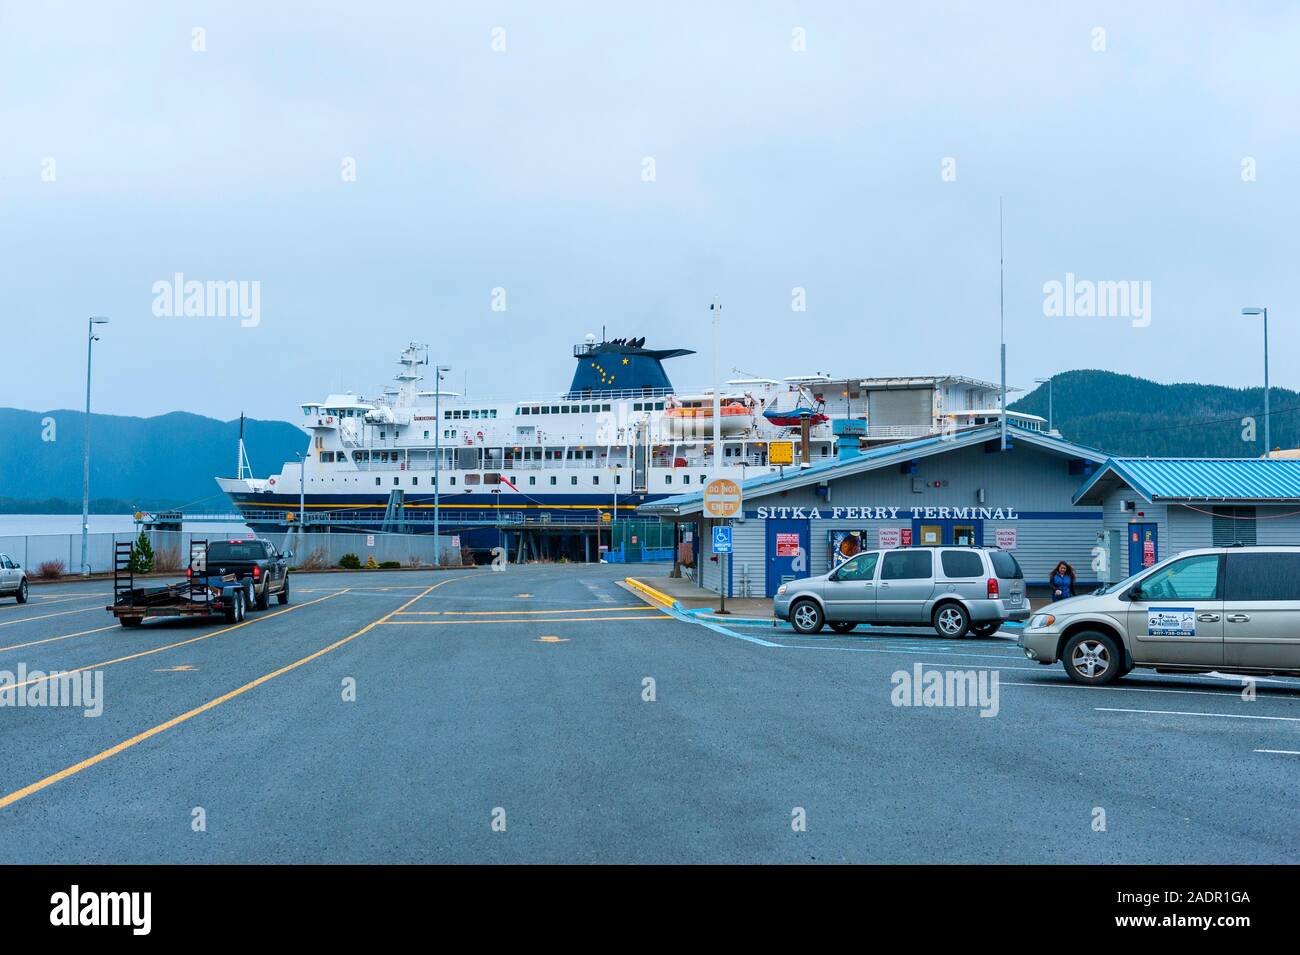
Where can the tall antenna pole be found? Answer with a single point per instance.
(1002, 324)
(716, 308)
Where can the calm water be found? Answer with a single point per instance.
(19, 525)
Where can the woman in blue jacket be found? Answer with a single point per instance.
(1062, 581)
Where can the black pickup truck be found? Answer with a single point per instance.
(252, 559)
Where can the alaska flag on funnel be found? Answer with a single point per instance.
(624, 364)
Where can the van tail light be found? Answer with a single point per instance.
(189, 572)
(993, 588)
(257, 572)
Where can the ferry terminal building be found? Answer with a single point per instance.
(1043, 499)
(955, 489)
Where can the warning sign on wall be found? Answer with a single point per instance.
(890, 537)
(1005, 538)
(787, 545)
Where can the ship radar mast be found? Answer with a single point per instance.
(413, 356)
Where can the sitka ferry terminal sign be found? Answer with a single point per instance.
(890, 513)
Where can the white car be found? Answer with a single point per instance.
(13, 579)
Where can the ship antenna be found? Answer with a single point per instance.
(242, 465)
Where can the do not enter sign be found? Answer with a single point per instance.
(722, 498)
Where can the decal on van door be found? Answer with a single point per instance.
(1171, 622)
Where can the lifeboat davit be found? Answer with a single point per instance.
(687, 422)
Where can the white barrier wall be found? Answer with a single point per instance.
(407, 549)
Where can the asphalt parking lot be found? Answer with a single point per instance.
(546, 714)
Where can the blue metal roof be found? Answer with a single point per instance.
(1200, 479)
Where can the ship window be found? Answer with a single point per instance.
(668, 479)
(394, 482)
(552, 480)
(555, 409)
(686, 479)
(604, 407)
(492, 413)
(618, 479)
(522, 411)
(595, 479)
(659, 406)
(471, 479)
(415, 480)
(383, 434)
(532, 479)
(574, 479)
(701, 478)
(426, 434)
(537, 410)
(452, 480)
(491, 477)
(376, 482)
(636, 406)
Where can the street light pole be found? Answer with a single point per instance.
(1268, 443)
(302, 501)
(91, 338)
(1048, 383)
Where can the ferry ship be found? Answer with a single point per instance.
(620, 436)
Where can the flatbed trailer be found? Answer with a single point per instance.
(199, 595)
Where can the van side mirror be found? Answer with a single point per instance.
(1133, 593)
(288, 554)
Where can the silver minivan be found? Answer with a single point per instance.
(956, 590)
(1231, 609)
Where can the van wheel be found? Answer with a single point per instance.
(985, 629)
(807, 617)
(951, 620)
(843, 627)
(1092, 658)
(22, 592)
(283, 596)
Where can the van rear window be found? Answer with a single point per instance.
(1266, 576)
(1005, 566)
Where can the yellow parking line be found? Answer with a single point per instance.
(516, 621)
(126, 744)
(46, 616)
(172, 646)
(66, 636)
(495, 613)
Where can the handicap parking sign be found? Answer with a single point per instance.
(721, 540)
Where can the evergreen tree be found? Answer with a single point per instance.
(142, 556)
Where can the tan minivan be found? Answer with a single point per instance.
(1231, 609)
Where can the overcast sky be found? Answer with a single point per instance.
(127, 156)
